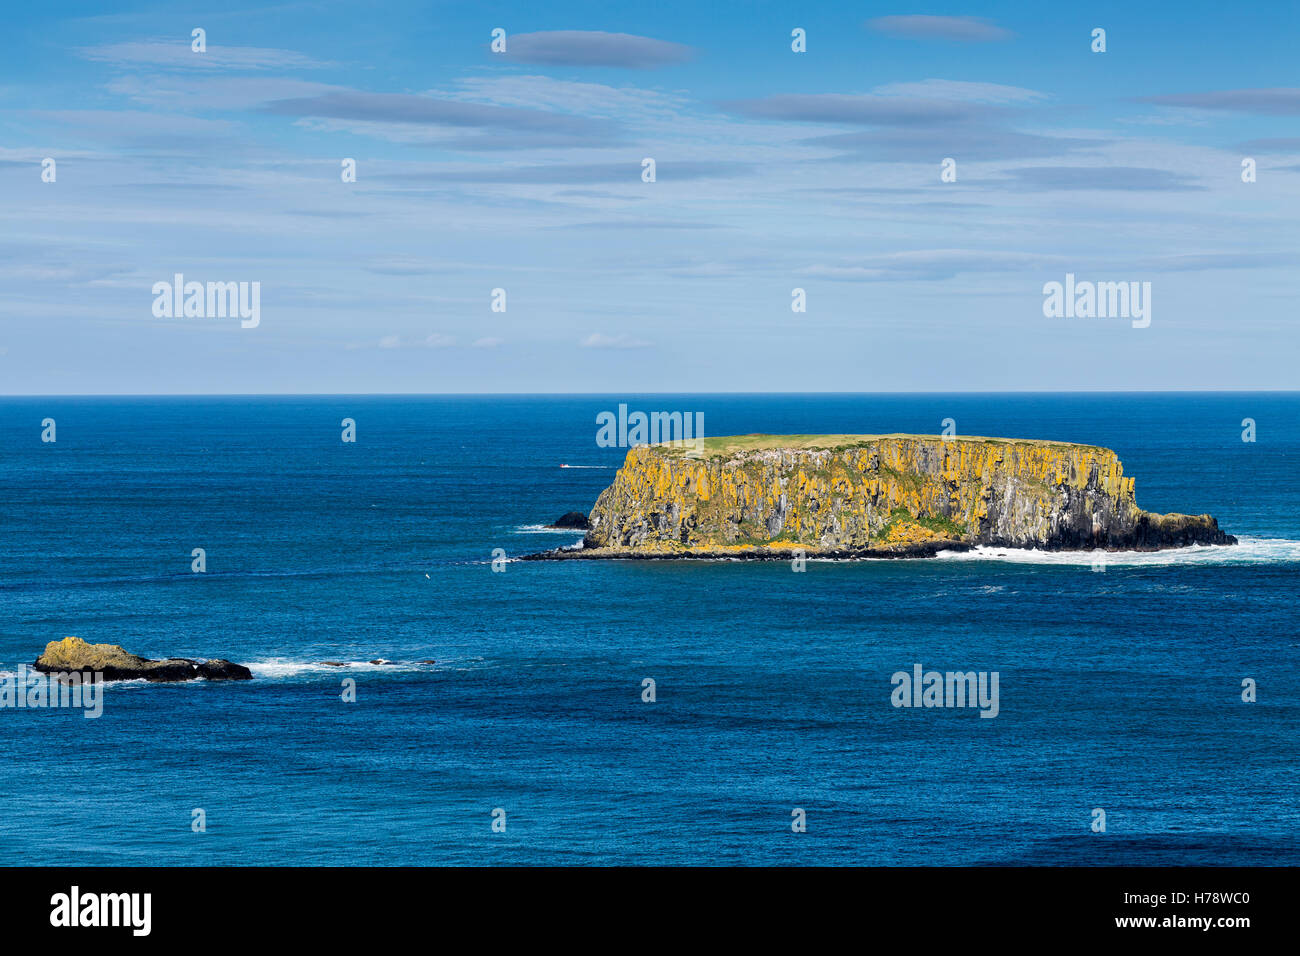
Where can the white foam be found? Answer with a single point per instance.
(279, 667)
(31, 673)
(1247, 551)
(544, 529)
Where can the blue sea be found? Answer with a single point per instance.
(1119, 690)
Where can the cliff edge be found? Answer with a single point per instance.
(888, 495)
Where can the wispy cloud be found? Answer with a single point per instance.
(919, 121)
(433, 111)
(140, 128)
(176, 54)
(1122, 178)
(930, 264)
(858, 109)
(637, 225)
(594, 48)
(961, 29)
(975, 142)
(566, 173)
(1281, 101)
(1275, 144)
(962, 90)
(170, 91)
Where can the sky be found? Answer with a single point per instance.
(522, 171)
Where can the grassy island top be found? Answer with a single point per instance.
(731, 444)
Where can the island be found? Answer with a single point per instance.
(108, 662)
(778, 496)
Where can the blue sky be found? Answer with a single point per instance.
(775, 170)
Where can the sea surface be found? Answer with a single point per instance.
(1120, 690)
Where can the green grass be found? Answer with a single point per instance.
(731, 444)
(939, 524)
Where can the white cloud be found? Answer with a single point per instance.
(962, 90)
(176, 54)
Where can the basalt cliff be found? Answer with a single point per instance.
(874, 495)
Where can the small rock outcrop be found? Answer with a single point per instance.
(72, 654)
(223, 670)
(571, 519)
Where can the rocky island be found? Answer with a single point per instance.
(772, 496)
(73, 655)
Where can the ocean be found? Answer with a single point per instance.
(1120, 691)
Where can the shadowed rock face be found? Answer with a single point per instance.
(113, 663)
(219, 669)
(571, 519)
(891, 494)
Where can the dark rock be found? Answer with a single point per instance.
(73, 655)
(926, 549)
(224, 670)
(335, 664)
(571, 519)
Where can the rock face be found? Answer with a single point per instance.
(113, 663)
(764, 495)
(223, 670)
(571, 519)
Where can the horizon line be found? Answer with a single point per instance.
(1224, 390)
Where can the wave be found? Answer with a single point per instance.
(1246, 551)
(598, 467)
(546, 529)
(8, 676)
(279, 667)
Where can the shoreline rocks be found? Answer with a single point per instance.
(112, 663)
(927, 549)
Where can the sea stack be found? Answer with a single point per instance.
(875, 495)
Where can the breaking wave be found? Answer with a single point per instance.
(1247, 551)
(281, 667)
